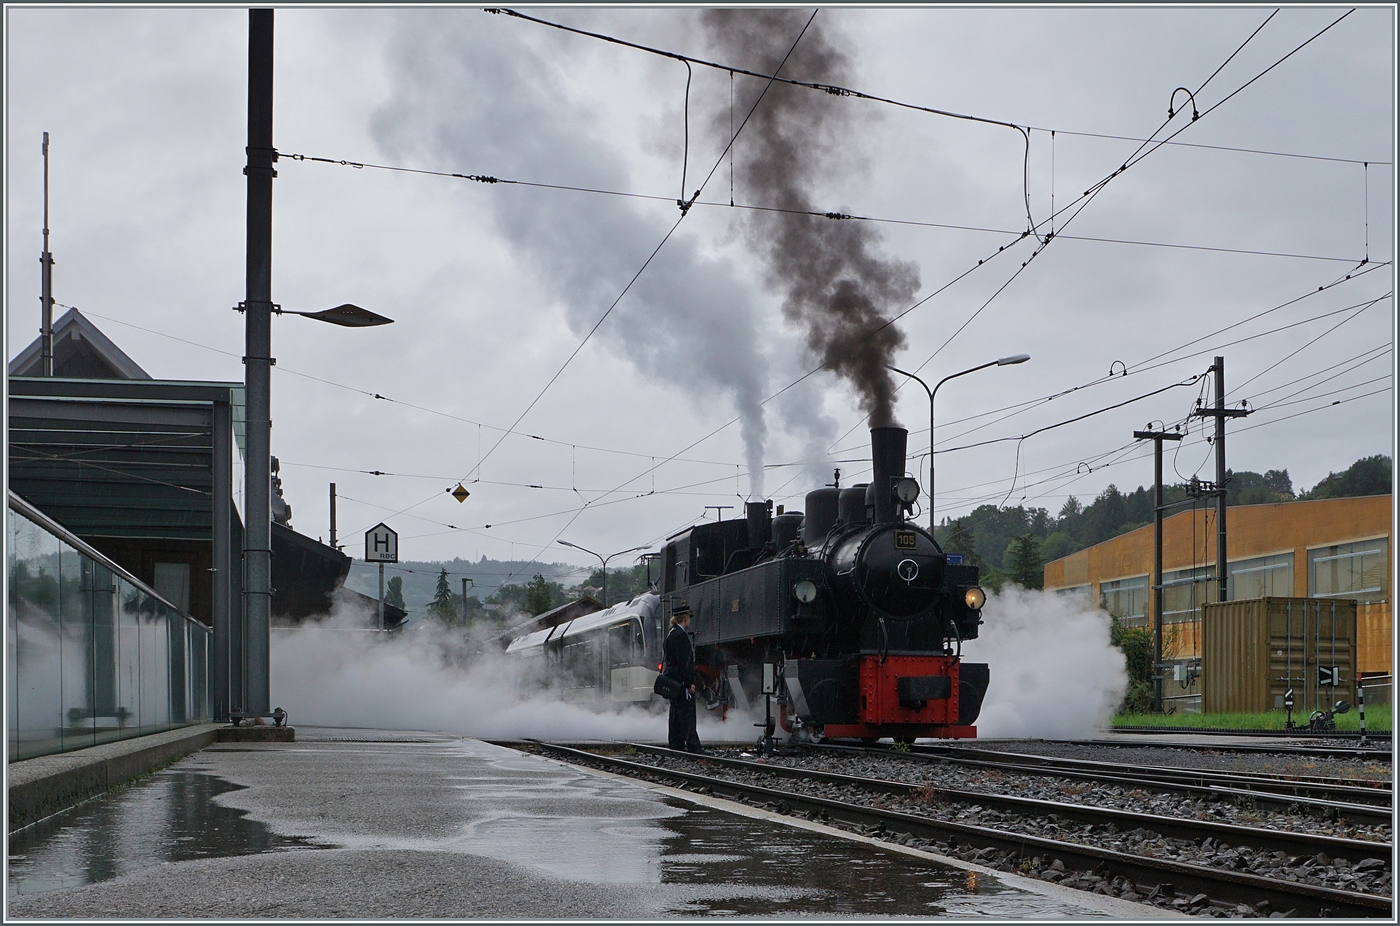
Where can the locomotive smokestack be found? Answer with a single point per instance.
(887, 447)
(760, 517)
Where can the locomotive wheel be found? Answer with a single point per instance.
(905, 740)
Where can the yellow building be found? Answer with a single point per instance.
(1329, 548)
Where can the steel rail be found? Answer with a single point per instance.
(1356, 812)
(1172, 827)
(1359, 752)
(1218, 884)
(1308, 790)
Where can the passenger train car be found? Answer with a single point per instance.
(858, 611)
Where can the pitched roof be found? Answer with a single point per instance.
(80, 351)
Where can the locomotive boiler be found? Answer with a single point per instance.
(859, 611)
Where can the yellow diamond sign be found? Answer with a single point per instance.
(460, 493)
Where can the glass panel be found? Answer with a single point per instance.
(1350, 570)
(75, 611)
(177, 633)
(90, 657)
(106, 725)
(128, 635)
(1263, 577)
(155, 619)
(1126, 599)
(34, 600)
(1184, 591)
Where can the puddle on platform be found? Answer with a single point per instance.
(169, 817)
(748, 868)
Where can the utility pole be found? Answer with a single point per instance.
(1220, 413)
(1158, 593)
(257, 306)
(46, 282)
(465, 583)
(333, 546)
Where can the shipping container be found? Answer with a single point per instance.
(1253, 651)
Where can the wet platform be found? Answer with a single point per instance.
(373, 824)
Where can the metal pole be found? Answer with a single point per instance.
(381, 597)
(257, 542)
(1222, 578)
(465, 580)
(222, 473)
(333, 515)
(1159, 594)
(46, 282)
(605, 581)
(932, 522)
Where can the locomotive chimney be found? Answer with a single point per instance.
(887, 447)
(760, 516)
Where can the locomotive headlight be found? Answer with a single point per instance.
(805, 591)
(974, 598)
(906, 490)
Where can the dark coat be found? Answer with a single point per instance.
(679, 657)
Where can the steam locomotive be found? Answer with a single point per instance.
(851, 616)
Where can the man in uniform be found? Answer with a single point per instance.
(679, 664)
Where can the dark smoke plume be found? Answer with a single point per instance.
(835, 284)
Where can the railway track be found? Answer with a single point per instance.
(1098, 864)
(1378, 753)
(1361, 800)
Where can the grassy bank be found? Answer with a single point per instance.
(1377, 719)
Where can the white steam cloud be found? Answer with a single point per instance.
(334, 672)
(1054, 674)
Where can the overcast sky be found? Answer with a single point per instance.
(494, 287)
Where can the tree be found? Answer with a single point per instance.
(1367, 476)
(1136, 646)
(1057, 546)
(442, 605)
(539, 597)
(1027, 568)
(959, 540)
(394, 596)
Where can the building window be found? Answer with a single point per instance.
(1264, 577)
(1184, 591)
(1082, 594)
(172, 582)
(1350, 570)
(1126, 600)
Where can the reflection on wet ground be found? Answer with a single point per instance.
(764, 869)
(663, 855)
(169, 817)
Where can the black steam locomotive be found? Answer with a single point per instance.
(859, 611)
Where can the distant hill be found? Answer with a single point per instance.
(420, 577)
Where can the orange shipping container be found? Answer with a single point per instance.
(1253, 651)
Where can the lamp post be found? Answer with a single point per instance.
(1002, 362)
(604, 560)
(253, 696)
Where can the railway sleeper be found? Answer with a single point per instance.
(1095, 868)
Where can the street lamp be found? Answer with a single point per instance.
(252, 683)
(604, 560)
(1002, 362)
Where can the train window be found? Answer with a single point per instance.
(620, 645)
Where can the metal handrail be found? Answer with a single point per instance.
(18, 504)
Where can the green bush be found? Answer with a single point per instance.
(1136, 646)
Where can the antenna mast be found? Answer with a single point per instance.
(46, 286)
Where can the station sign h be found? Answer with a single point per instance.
(381, 544)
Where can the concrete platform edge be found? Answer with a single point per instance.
(1111, 906)
(45, 785)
